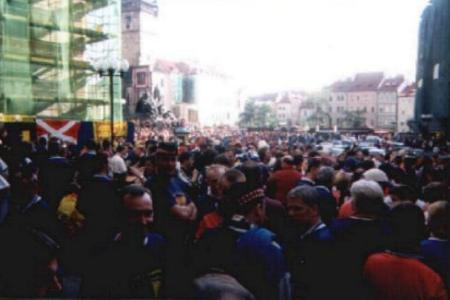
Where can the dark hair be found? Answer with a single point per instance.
(221, 159)
(307, 194)
(100, 163)
(135, 190)
(298, 159)
(404, 193)
(253, 174)
(91, 144)
(367, 165)
(54, 147)
(120, 148)
(434, 191)
(407, 223)
(184, 157)
(233, 176)
(313, 163)
(168, 147)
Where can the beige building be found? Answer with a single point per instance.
(406, 105)
(388, 93)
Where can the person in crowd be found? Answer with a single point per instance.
(308, 249)
(324, 185)
(55, 175)
(398, 272)
(175, 216)
(312, 168)
(436, 249)
(243, 249)
(85, 164)
(118, 166)
(98, 202)
(358, 236)
(30, 266)
(282, 181)
(136, 251)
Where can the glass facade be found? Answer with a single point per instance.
(47, 49)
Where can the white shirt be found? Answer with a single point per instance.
(117, 164)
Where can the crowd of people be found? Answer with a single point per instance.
(262, 215)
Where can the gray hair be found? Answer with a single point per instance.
(367, 197)
(219, 169)
(325, 176)
(307, 194)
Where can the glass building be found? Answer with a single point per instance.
(47, 49)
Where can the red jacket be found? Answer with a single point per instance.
(281, 182)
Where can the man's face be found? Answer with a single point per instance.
(166, 162)
(188, 164)
(139, 211)
(213, 182)
(301, 213)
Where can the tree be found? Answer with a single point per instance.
(246, 118)
(354, 119)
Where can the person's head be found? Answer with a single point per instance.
(287, 162)
(91, 145)
(231, 177)
(214, 174)
(54, 147)
(367, 198)
(186, 161)
(122, 150)
(379, 177)
(253, 174)
(106, 145)
(245, 201)
(222, 159)
(403, 193)
(435, 191)
(264, 155)
(137, 206)
(407, 223)
(166, 159)
(101, 164)
(303, 205)
(312, 168)
(439, 219)
(325, 177)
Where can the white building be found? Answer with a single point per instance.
(387, 102)
(405, 109)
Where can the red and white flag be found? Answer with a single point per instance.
(64, 130)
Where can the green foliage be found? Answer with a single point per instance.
(257, 116)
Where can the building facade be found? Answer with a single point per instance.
(387, 101)
(433, 74)
(406, 105)
(47, 52)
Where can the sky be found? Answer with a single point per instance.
(269, 45)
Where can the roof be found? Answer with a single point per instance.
(362, 82)
(391, 84)
(285, 100)
(366, 82)
(408, 91)
(166, 66)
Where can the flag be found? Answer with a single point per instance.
(102, 129)
(64, 130)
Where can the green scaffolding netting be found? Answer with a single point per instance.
(46, 52)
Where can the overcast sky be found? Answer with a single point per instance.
(276, 44)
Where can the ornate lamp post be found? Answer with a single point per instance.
(113, 67)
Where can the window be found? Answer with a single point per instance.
(436, 71)
(162, 83)
(381, 110)
(128, 22)
(331, 109)
(141, 78)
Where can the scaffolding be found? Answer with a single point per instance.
(47, 48)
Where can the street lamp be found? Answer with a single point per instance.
(112, 67)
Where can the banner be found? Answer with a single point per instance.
(64, 130)
(102, 130)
